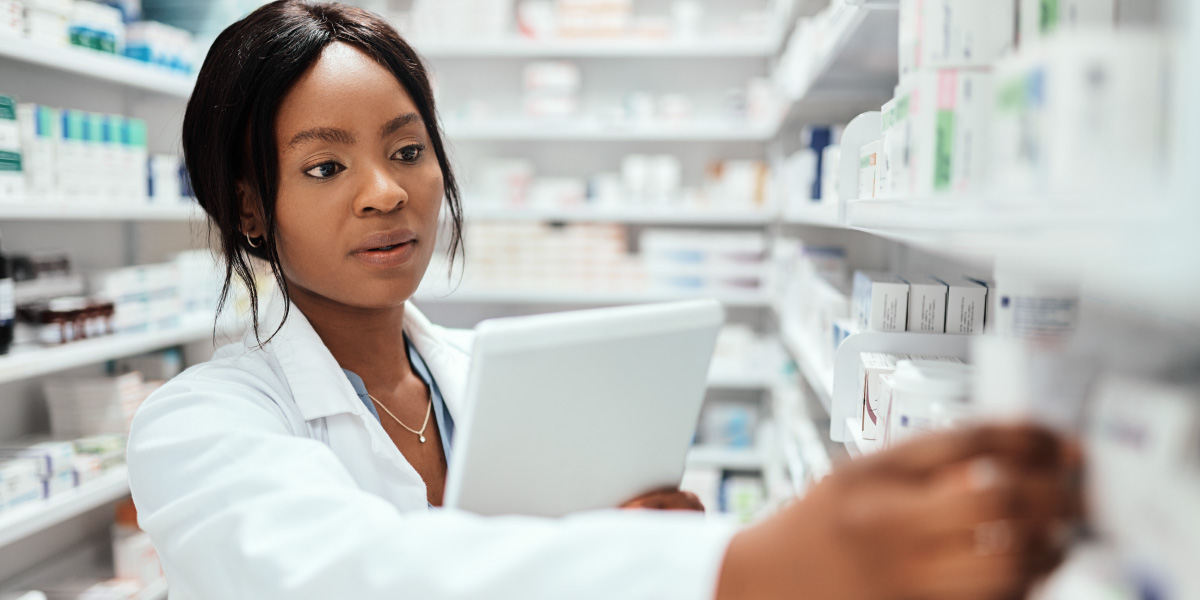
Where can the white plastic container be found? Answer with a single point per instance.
(927, 396)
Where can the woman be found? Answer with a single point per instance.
(302, 462)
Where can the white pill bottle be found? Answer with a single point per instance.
(928, 396)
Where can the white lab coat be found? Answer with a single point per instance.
(261, 475)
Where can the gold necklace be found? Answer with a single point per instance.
(428, 410)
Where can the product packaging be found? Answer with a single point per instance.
(12, 18)
(1034, 308)
(729, 424)
(868, 170)
(937, 132)
(880, 301)
(39, 141)
(927, 395)
(890, 144)
(12, 173)
(1042, 18)
(966, 305)
(1081, 117)
(926, 304)
(936, 34)
(873, 366)
(20, 482)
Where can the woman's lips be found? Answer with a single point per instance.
(387, 256)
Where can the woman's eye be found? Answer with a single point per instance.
(410, 153)
(325, 170)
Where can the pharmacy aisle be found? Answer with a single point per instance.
(106, 287)
(917, 214)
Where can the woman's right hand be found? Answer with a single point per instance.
(977, 513)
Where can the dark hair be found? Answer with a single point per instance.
(229, 126)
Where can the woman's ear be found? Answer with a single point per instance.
(250, 211)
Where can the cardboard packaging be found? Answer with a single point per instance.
(966, 304)
(880, 301)
(926, 305)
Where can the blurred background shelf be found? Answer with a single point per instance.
(26, 520)
(25, 362)
(740, 300)
(856, 71)
(622, 215)
(97, 65)
(733, 459)
(625, 48)
(99, 212)
(583, 131)
(819, 379)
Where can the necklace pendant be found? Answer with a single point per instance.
(422, 439)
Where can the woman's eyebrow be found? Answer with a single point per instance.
(392, 126)
(324, 134)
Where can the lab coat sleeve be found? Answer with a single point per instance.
(241, 507)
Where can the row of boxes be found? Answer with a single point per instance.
(925, 304)
(36, 469)
(101, 27)
(51, 155)
(1076, 107)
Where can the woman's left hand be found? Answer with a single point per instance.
(668, 499)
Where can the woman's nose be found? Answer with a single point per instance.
(380, 192)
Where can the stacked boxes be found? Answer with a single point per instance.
(935, 133)
(880, 301)
(1041, 18)
(937, 34)
(552, 89)
(92, 406)
(12, 175)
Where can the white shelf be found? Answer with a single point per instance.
(818, 214)
(97, 65)
(621, 48)
(583, 130)
(18, 523)
(716, 457)
(467, 296)
(623, 215)
(821, 380)
(85, 211)
(32, 361)
(855, 70)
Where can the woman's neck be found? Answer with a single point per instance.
(367, 341)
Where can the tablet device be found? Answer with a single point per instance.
(581, 410)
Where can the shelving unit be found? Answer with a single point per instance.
(555, 298)
(34, 361)
(22, 522)
(854, 70)
(821, 380)
(584, 131)
(733, 459)
(761, 48)
(648, 216)
(91, 211)
(97, 66)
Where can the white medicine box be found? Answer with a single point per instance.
(880, 301)
(966, 305)
(875, 398)
(936, 34)
(926, 305)
(936, 133)
(1041, 18)
(12, 172)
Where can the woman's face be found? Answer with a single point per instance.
(360, 186)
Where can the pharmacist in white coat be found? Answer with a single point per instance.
(303, 461)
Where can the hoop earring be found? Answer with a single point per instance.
(250, 241)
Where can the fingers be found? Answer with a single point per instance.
(666, 500)
(1020, 444)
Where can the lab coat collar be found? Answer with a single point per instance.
(318, 385)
